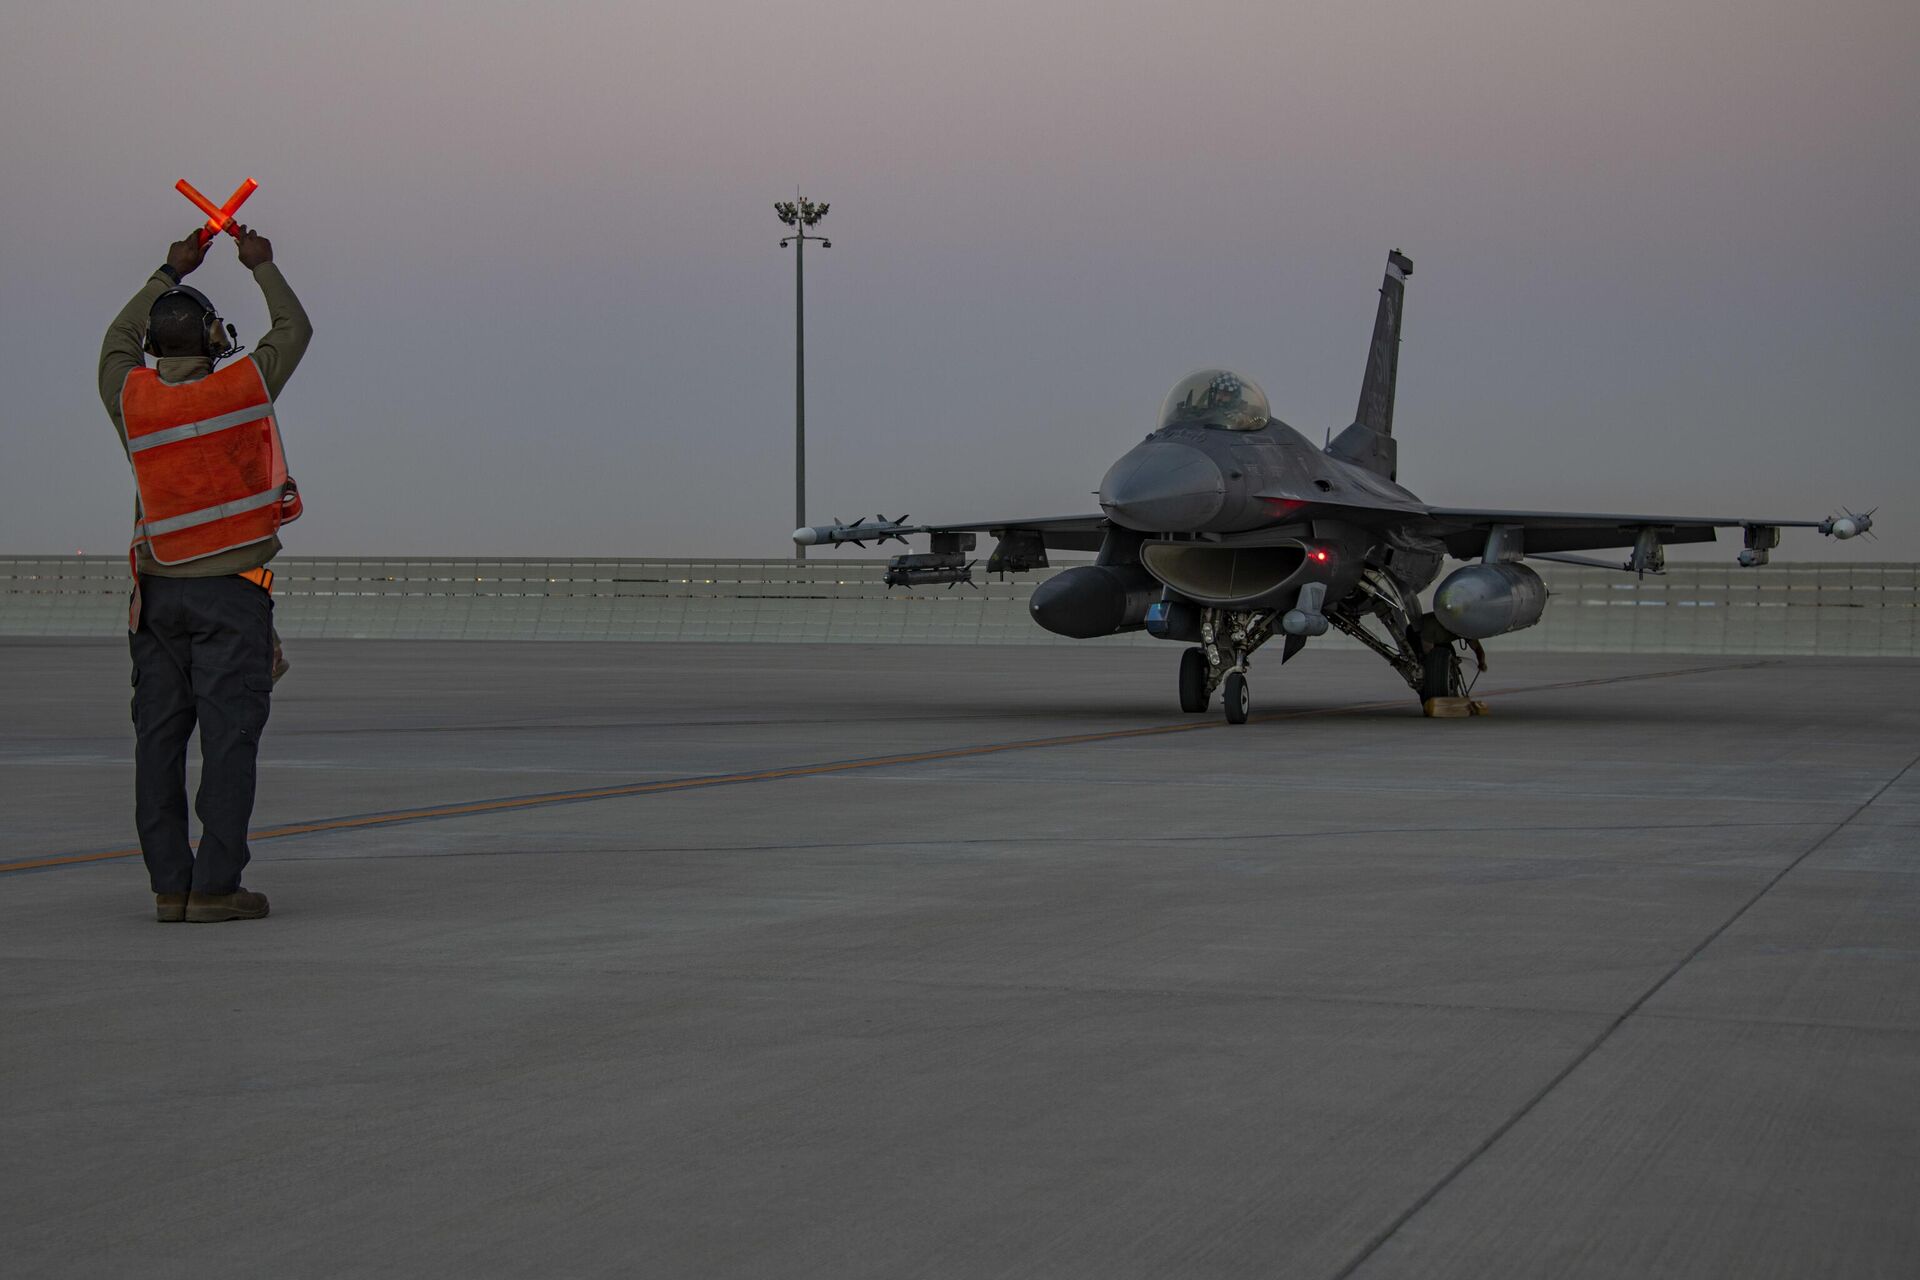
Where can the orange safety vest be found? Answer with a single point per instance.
(207, 461)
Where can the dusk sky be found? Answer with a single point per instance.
(1664, 253)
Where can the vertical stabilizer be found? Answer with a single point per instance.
(1383, 357)
(1369, 441)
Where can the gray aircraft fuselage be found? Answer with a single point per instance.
(1246, 518)
(1194, 479)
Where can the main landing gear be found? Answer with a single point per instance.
(1426, 654)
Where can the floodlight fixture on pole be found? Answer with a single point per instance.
(800, 213)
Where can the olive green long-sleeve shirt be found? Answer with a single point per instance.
(277, 354)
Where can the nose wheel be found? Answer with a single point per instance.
(1237, 697)
(1195, 688)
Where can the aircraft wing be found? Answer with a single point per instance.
(1056, 533)
(1465, 529)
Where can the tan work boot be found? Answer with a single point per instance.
(241, 904)
(169, 908)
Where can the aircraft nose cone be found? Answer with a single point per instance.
(1163, 487)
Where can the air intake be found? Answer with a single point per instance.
(1223, 575)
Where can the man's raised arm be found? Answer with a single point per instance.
(289, 331)
(120, 353)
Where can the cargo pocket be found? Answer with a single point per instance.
(259, 704)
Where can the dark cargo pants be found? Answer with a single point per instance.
(202, 656)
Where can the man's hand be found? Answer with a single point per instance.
(254, 247)
(184, 255)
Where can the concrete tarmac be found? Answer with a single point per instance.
(627, 960)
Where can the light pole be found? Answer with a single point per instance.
(800, 213)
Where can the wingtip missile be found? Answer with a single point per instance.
(877, 528)
(1850, 525)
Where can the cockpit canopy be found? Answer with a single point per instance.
(1217, 398)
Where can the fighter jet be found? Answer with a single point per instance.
(1226, 528)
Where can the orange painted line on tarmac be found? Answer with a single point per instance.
(511, 803)
(67, 860)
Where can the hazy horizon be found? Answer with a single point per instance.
(1662, 258)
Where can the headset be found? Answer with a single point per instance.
(218, 340)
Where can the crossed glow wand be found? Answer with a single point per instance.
(219, 217)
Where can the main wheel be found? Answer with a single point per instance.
(1436, 672)
(1239, 700)
(1194, 694)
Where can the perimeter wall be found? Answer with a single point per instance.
(1829, 609)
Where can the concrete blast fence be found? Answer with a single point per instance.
(1826, 609)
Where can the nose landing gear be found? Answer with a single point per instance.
(1228, 640)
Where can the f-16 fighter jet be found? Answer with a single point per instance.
(1227, 528)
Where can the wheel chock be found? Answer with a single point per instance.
(1454, 708)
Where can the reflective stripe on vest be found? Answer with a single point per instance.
(204, 427)
(207, 462)
(207, 515)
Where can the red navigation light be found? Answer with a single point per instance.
(1319, 553)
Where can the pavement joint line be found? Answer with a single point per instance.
(1526, 1108)
(541, 800)
(1221, 995)
(1143, 842)
(1215, 994)
(1786, 1024)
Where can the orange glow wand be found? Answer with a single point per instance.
(221, 218)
